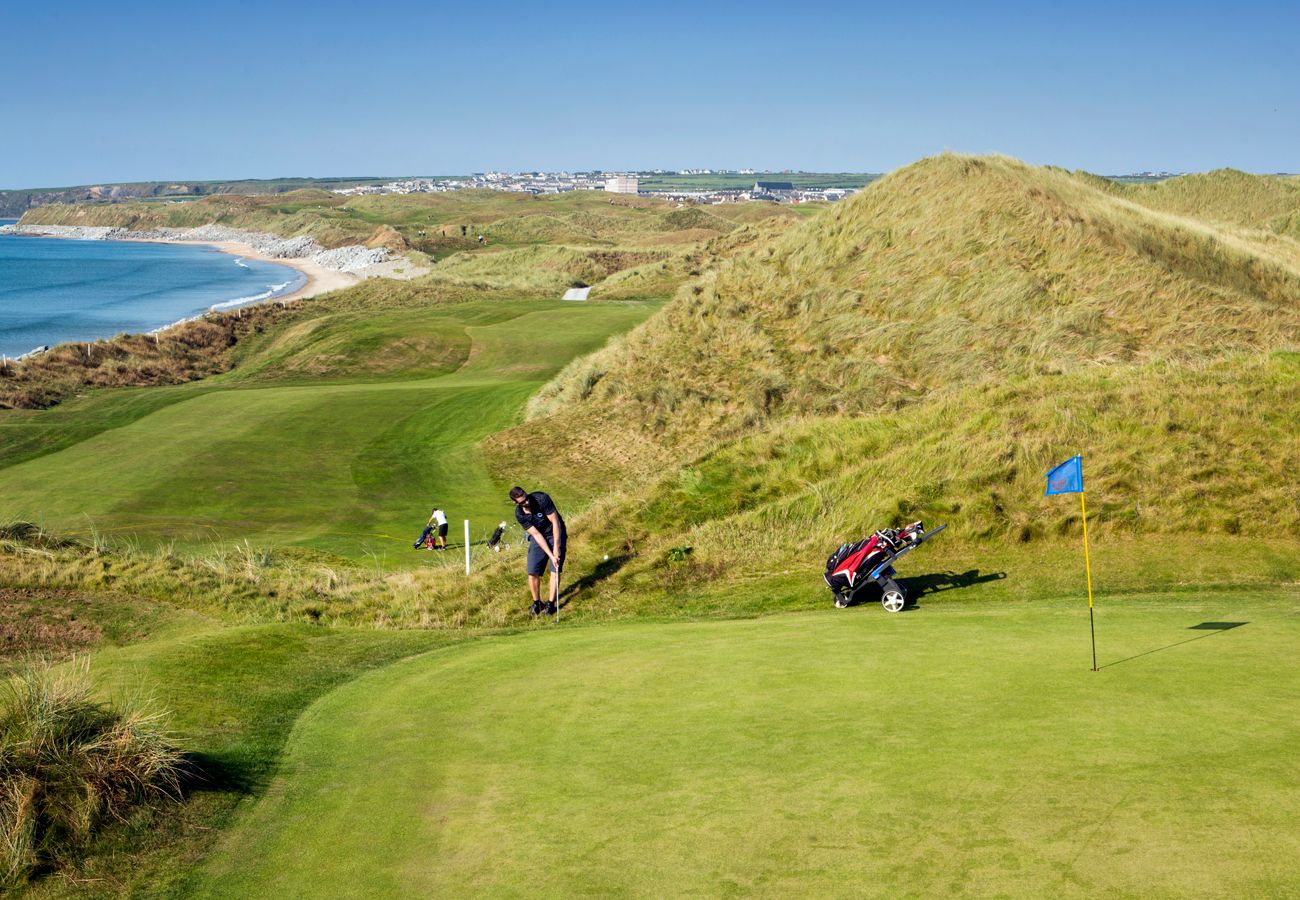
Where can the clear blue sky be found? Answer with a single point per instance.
(115, 91)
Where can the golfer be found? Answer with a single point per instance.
(547, 541)
(438, 520)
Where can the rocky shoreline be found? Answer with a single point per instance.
(354, 259)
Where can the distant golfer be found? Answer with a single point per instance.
(438, 520)
(547, 541)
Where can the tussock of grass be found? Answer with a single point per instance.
(69, 765)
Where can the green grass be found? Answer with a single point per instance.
(233, 695)
(954, 750)
(348, 463)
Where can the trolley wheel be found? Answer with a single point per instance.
(841, 601)
(893, 600)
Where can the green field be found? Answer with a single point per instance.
(348, 466)
(960, 750)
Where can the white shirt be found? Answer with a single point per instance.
(440, 517)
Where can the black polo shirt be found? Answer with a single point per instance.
(541, 506)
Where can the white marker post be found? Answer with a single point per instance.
(467, 546)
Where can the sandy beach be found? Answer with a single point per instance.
(320, 280)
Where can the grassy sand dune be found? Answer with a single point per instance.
(946, 272)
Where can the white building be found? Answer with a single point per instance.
(622, 184)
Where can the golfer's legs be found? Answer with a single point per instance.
(535, 585)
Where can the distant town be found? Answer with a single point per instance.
(702, 185)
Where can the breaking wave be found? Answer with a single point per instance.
(274, 290)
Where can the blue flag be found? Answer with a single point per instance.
(1067, 478)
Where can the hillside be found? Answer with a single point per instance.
(17, 202)
(437, 224)
(944, 273)
(928, 349)
(1270, 202)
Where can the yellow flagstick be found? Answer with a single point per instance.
(1087, 563)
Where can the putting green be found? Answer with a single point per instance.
(943, 751)
(348, 467)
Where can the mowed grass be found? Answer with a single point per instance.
(277, 455)
(231, 696)
(952, 750)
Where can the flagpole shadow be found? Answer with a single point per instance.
(1211, 629)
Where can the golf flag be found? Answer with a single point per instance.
(1067, 478)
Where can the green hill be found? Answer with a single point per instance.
(929, 349)
(945, 273)
(1269, 202)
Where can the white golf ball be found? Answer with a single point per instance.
(606, 556)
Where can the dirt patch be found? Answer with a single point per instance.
(43, 623)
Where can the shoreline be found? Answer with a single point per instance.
(320, 279)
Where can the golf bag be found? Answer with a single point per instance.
(426, 539)
(494, 542)
(870, 561)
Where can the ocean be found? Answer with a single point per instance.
(54, 290)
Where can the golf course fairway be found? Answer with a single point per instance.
(947, 750)
(345, 465)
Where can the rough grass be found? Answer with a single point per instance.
(71, 764)
(1226, 195)
(433, 223)
(945, 273)
(186, 352)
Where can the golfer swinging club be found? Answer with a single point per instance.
(547, 541)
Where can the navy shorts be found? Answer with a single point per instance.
(442, 530)
(537, 561)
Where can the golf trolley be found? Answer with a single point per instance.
(871, 561)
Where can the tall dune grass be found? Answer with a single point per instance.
(69, 765)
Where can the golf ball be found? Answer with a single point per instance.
(606, 556)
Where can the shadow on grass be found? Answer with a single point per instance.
(1210, 629)
(915, 586)
(210, 773)
(603, 570)
(919, 585)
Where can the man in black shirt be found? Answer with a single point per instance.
(547, 542)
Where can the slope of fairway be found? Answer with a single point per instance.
(947, 751)
(347, 467)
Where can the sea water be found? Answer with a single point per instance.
(54, 289)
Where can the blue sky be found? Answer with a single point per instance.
(133, 90)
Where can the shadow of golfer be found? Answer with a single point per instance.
(1210, 629)
(603, 570)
